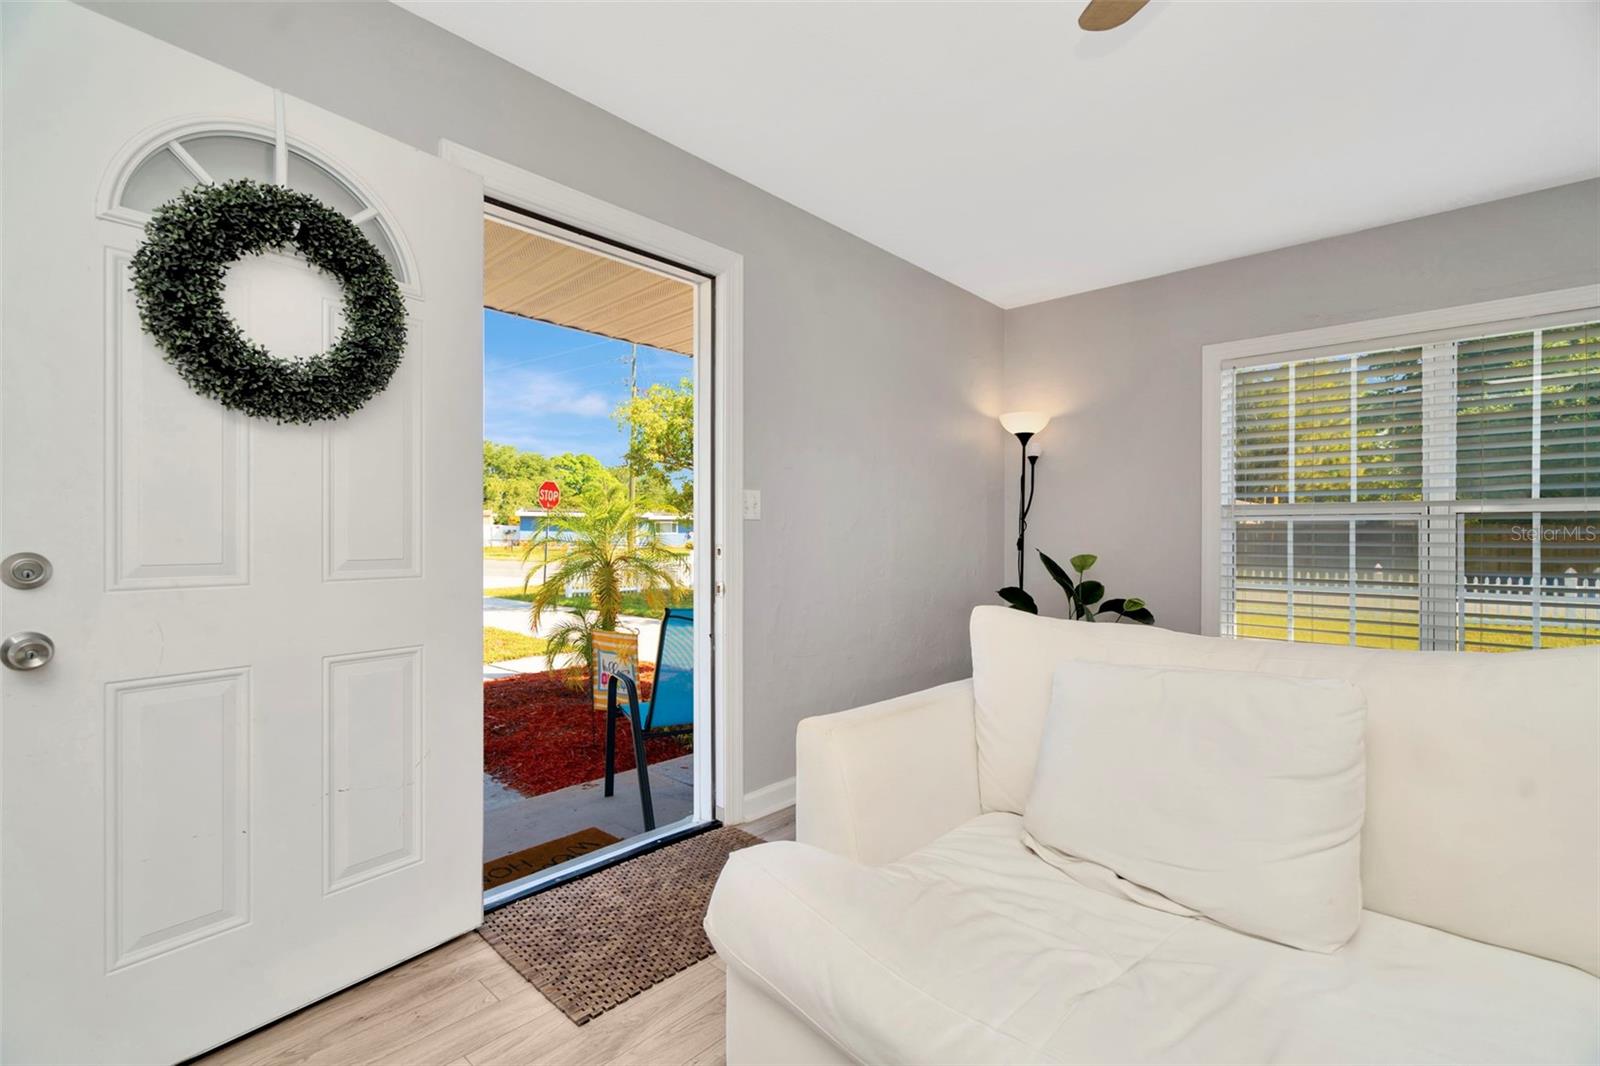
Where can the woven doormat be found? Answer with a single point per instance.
(602, 939)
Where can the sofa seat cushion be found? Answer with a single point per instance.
(975, 950)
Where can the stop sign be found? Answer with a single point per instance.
(549, 495)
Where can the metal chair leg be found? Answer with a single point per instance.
(611, 740)
(641, 763)
(644, 773)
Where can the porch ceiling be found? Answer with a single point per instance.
(537, 277)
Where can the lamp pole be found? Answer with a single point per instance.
(1024, 425)
(1025, 487)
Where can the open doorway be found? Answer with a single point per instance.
(593, 443)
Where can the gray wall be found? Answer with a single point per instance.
(869, 384)
(1120, 370)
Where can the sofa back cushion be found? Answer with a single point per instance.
(1237, 795)
(1483, 801)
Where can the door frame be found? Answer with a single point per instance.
(720, 558)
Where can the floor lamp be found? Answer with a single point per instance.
(1024, 425)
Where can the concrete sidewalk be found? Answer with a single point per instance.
(512, 821)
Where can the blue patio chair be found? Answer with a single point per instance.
(671, 709)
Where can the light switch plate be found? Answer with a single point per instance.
(752, 505)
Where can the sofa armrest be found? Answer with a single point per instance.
(878, 782)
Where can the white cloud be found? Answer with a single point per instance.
(535, 392)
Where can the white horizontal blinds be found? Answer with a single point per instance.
(1261, 426)
(1568, 571)
(1497, 586)
(1388, 429)
(1569, 438)
(1439, 496)
(1263, 605)
(1324, 443)
(1312, 451)
(1497, 397)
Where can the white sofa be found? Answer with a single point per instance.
(909, 923)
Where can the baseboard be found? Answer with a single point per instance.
(768, 800)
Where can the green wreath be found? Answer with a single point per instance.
(178, 276)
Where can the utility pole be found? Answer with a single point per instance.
(633, 394)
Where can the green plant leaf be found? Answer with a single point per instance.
(1141, 615)
(1053, 568)
(1089, 593)
(1080, 563)
(1116, 606)
(1019, 599)
(1135, 603)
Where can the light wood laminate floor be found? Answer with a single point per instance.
(463, 1005)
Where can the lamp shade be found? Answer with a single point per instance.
(1024, 421)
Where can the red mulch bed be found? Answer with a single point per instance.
(541, 732)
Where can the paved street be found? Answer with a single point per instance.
(504, 573)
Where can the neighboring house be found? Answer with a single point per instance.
(673, 530)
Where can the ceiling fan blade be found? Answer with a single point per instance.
(1108, 14)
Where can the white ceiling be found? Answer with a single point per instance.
(998, 146)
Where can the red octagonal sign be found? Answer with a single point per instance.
(549, 495)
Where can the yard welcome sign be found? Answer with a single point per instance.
(615, 652)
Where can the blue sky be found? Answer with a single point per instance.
(550, 389)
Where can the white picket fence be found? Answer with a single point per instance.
(1564, 599)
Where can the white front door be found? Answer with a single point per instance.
(251, 775)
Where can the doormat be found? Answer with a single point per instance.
(518, 864)
(602, 939)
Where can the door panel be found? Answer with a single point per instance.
(177, 465)
(252, 774)
(372, 703)
(178, 800)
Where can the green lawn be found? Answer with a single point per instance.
(502, 644)
(632, 602)
(514, 551)
(1502, 636)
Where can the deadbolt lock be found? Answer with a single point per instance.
(25, 570)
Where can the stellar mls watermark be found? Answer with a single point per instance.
(1558, 533)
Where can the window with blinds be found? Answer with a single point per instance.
(1437, 495)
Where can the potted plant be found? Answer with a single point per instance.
(1085, 596)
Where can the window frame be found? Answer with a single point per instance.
(169, 137)
(1435, 332)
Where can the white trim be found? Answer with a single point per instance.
(280, 140)
(1372, 334)
(513, 185)
(769, 799)
(1377, 332)
(189, 162)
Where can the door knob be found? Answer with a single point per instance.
(27, 651)
(25, 570)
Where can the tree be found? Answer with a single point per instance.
(578, 475)
(511, 480)
(606, 550)
(660, 427)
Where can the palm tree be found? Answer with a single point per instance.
(605, 549)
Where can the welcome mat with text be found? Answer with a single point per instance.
(507, 868)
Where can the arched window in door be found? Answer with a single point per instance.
(175, 161)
